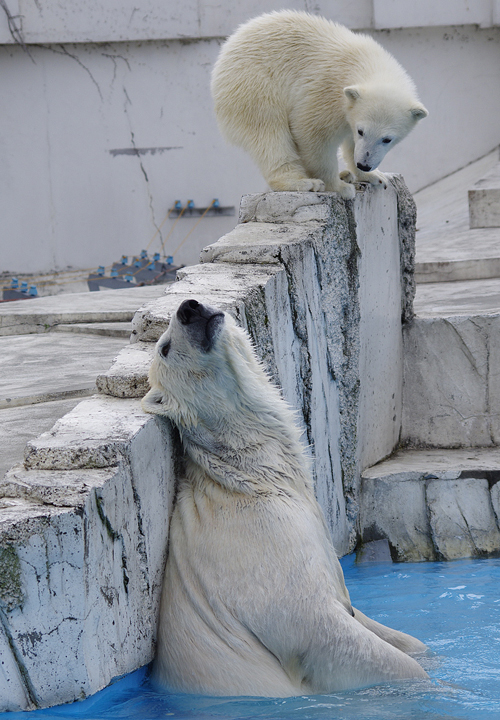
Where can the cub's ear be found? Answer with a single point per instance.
(352, 93)
(419, 112)
(152, 402)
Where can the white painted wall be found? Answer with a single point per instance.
(114, 76)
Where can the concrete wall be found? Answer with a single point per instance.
(108, 121)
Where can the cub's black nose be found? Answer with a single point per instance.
(364, 168)
(190, 311)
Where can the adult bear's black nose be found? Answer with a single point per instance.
(364, 168)
(203, 322)
(190, 311)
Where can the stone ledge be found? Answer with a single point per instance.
(258, 242)
(290, 207)
(97, 433)
(40, 314)
(434, 504)
(225, 286)
(58, 488)
(82, 553)
(128, 375)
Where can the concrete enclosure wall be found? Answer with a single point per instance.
(108, 120)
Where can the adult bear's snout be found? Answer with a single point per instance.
(205, 322)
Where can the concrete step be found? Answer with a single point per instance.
(466, 297)
(51, 351)
(73, 361)
(42, 377)
(434, 504)
(108, 329)
(447, 248)
(38, 315)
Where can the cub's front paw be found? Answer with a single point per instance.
(346, 190)
(347, 176)
(310, 185)
(375, 177)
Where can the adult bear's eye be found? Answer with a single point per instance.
(386, 140)
(360, 133)
(164, 349)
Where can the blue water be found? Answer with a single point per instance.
(453, 607)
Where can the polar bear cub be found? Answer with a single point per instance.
(253, 600)
(291, 88)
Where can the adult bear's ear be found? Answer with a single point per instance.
(352, 92)
(152, 402)
(418, 111)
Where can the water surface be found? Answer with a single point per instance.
(454, 607)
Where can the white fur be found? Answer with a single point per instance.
(254, 600)
(291, 88)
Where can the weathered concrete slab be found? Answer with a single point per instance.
(218, 285)
(108, 329)
(471, 297)
(434, 504)
(40, 368)
(495, 501)
(394, 508)
(451, 390)
(39, 314)
(97, 433)
(484, 201)
(442, 463)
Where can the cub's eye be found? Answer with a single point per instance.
(164, 349)
(387, 140)
(360, 133)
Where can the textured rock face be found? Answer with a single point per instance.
(462, 518)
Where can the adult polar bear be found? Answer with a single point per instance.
(253, 600)
(290, 88)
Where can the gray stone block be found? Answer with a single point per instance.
(394, 508)
(495, 501)
(461, 518)
(430, 504)
(128, 375)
